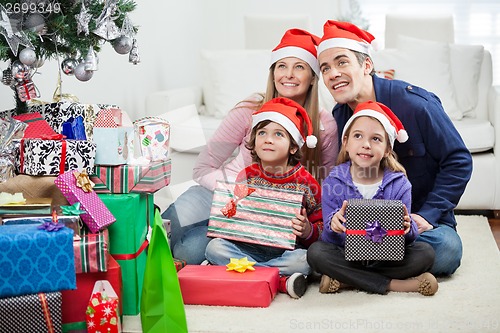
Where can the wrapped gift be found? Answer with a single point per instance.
(103, 310)
(37, 260)
(374, 230)
(31, 313)
(127, 178)
(113, 135)
(71, 222)
(259, 215)
(37, 125)
(127, 241)
(52, 157)
(179, 264)
(75, 302)
(91, 252)
(214, 285)
(77, 187)
(153, 137)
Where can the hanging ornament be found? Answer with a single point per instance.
(105, 25)
(27, 56)
(35, 22)
(7, 77)
(91, 60)
(68, 66)
(127, 27)
(122, 44)
(27, 90)
(39, 62)
(82, 74)
(134, 54)
(12, 38)
(20, 71)
(83, 20)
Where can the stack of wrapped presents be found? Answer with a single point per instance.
(77, 184)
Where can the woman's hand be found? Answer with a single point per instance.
(302, 228)
(338, 218)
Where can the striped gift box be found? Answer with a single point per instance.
(91, 252)
(262, 217)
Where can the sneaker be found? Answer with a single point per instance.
(328, 285)
(294, 285)
(428, 285)
(205, 263)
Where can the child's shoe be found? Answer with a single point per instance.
(328, 285)
(294, 285)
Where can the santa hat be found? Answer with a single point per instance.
(289, 114)
(384, 115)
(300, 44)
(345, 35)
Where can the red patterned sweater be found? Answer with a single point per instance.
(298, 179)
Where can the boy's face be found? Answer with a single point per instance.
(272, 145)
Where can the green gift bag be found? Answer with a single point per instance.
(162, 308)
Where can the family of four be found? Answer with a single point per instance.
(384, 139)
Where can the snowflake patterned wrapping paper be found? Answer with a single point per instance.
(102, 310)
(39, 157)
(374, 230)
(97, 216)
(34, 260)
(31, 313)
(262, 217)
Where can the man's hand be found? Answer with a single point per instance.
(422, 223)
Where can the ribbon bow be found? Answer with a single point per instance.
(72, 210)
(51, 226)
(240, 265)
(83, 181)
(240, 192)
(375, 232)
(52, 136)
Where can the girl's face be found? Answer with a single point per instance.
(366, 143)
(272, 145)
(293, 78)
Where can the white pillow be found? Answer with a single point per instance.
(466, 62)
(230, 76)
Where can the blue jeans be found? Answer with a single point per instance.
(220, 251)
(189, 216)
(448, 247)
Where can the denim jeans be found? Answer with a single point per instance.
(189, 216)
(220, 251)
(448, 247)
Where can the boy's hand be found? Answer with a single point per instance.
(338, 218)
(301, 226)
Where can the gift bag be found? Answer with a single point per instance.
(102, 312)
(162, 307)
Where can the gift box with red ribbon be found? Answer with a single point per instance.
(77, 187)
(374, 230)
(214, 285)
(259, 215)
(53, 155)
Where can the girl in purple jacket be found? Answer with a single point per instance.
(368, 169)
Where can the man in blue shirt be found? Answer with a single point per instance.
(435, 157)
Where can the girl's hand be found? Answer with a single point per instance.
(338, 218)
(407, 220)
(301, 226)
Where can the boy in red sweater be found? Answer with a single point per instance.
(275, 143)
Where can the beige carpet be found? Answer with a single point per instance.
(467, 302)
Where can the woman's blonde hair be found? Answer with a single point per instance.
(387, 162)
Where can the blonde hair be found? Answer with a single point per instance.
(387, 162)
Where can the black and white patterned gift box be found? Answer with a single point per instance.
(31, 313)
(374, 230)
(39, 157)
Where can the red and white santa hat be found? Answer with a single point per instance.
(384, 115)
(300, 44)
(289, 114)
(345, 35)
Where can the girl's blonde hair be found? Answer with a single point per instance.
(387, 162)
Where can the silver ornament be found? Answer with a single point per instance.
(68, 66)
(91, 60)
(20, 71)
(35, 22)
(39, 62)
(133, 56)
(105, 24)
(83, 20)
(82, 74)
(122, 44)
(27, 56)
(7, 78)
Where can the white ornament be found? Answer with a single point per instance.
(82, 74)
(27, 56)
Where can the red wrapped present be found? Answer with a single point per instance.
(374, 230)
(75, 302)
(77, 187)
(102, 310)
(132, 178)
(214, 285)
(259, 215)
(37, 125)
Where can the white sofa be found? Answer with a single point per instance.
(461, 75)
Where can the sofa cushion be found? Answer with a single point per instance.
(478, 135)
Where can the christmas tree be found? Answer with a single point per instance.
(73, 31)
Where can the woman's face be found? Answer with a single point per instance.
(292, 78)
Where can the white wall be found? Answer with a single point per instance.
(171, 34)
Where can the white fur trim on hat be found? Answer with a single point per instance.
(283, 121)
(297, 52)
(389, 128)
(344, 43)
